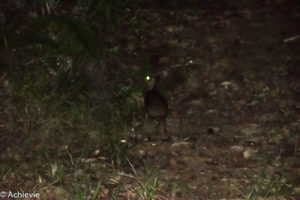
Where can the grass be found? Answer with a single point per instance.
(148, 182)
(49, 109)
(262, 185)
(62, 129)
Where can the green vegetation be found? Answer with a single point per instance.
(147, 182)
(264, 186)
(72, 81)
(54, 119)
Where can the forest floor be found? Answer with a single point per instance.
(231, 77)
(233, 115)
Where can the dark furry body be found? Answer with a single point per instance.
(156, 107)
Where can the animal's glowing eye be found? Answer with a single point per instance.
(148, 78)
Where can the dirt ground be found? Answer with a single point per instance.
(234, 116)
(231, 74)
